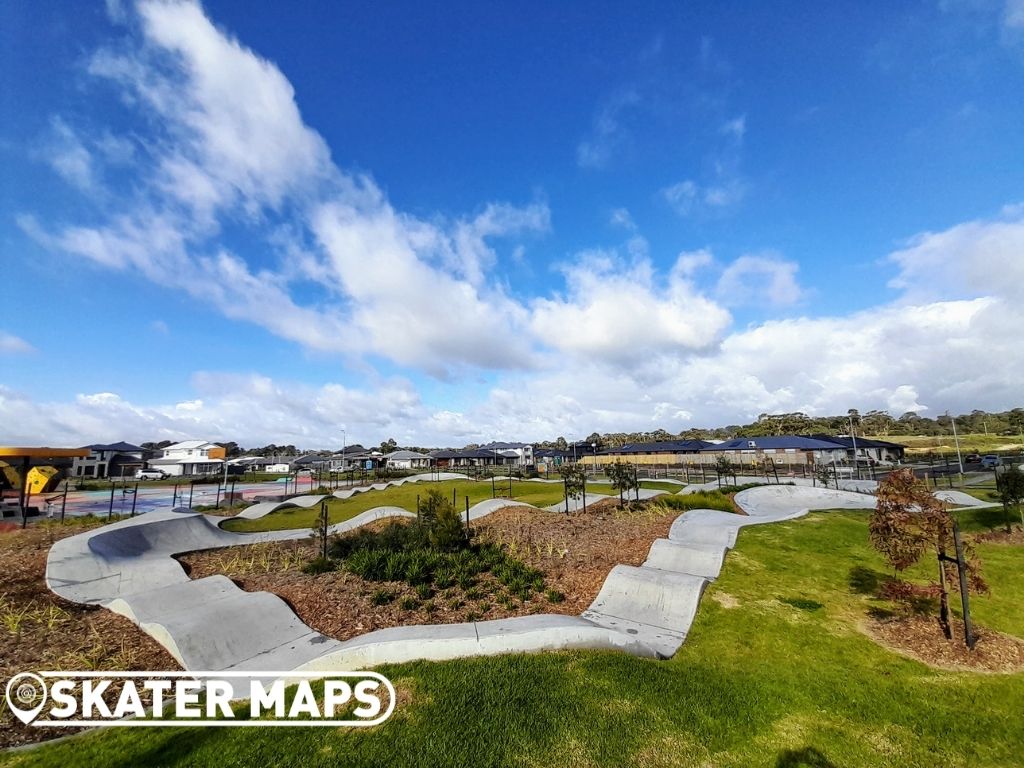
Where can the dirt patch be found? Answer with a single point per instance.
(921, 638)
(725, 600)
(40, 630)
(574, 551)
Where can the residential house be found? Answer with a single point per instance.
(191, 457)
(781, 449)
(470, 457)
(521, 454)
(407, 460)
(113, 460)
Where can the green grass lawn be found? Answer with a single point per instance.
(538, 494)
(781, 677)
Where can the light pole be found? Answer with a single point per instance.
(853, 435)
(593, 447)
(344, 438)
(956, 440)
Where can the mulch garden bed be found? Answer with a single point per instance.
(40, 630)
(574, 551)
(921, 638)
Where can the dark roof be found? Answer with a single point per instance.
(473, 453)
(779, 442)
(660, 446)
(122, 446)
(499, 446)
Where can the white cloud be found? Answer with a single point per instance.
(620, 313)
(621, 217)
(606, 134)
(736, 128)
(1013, 15)
(761, 279)
(13, 345)
(68, 156)
(976, 258)
(688, 198)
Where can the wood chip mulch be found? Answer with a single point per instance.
(921, 638)
(40, 630)
(575, 552)
(1015, 537)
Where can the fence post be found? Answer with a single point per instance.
(110, 509)
(135, 496)
(64, 501)
(467, 518)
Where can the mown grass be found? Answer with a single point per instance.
(782, 677)
(404, 496)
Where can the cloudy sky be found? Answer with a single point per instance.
(503, 221)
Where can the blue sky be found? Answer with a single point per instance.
(484, 221)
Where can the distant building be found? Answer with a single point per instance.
(407, 460)
(113, 460)
(656, 452)
(191, 457)
(521, 453)
(470, 457)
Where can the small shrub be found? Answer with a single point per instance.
(472, 616)
(554, 596)
(444, 577)
(382, 597)
(319, 565)
(417, 570)
(473, 594)
(408, 603)
(367, 564)
(428, 606)
(423, 591)
(394, 566)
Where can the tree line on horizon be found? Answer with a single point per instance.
(871, 423)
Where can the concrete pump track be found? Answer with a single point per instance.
(211, 624)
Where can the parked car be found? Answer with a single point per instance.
(972, 458)
(150, 474)
(991, 461)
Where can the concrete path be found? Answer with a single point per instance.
(211, 624)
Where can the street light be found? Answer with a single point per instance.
(853, 435)
(956, 440)
(593, 446)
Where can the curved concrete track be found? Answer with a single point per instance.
(266, 507)
(211, 624)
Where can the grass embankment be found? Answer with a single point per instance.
(775, 672)
(404, 496)
(969, 443)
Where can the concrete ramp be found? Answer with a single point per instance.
(695, 558)
(655, 606)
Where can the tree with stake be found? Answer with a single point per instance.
(724, 468)
(575, 479)
(622, 478)
(908, 522)
(1010, 485)
(321, 529)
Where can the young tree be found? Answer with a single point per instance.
(907, 523)
(724, 468)
(1010, 485)
(575, 479)
(623, 478)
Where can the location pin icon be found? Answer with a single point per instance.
(26, 695)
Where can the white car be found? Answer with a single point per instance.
(150, 474)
